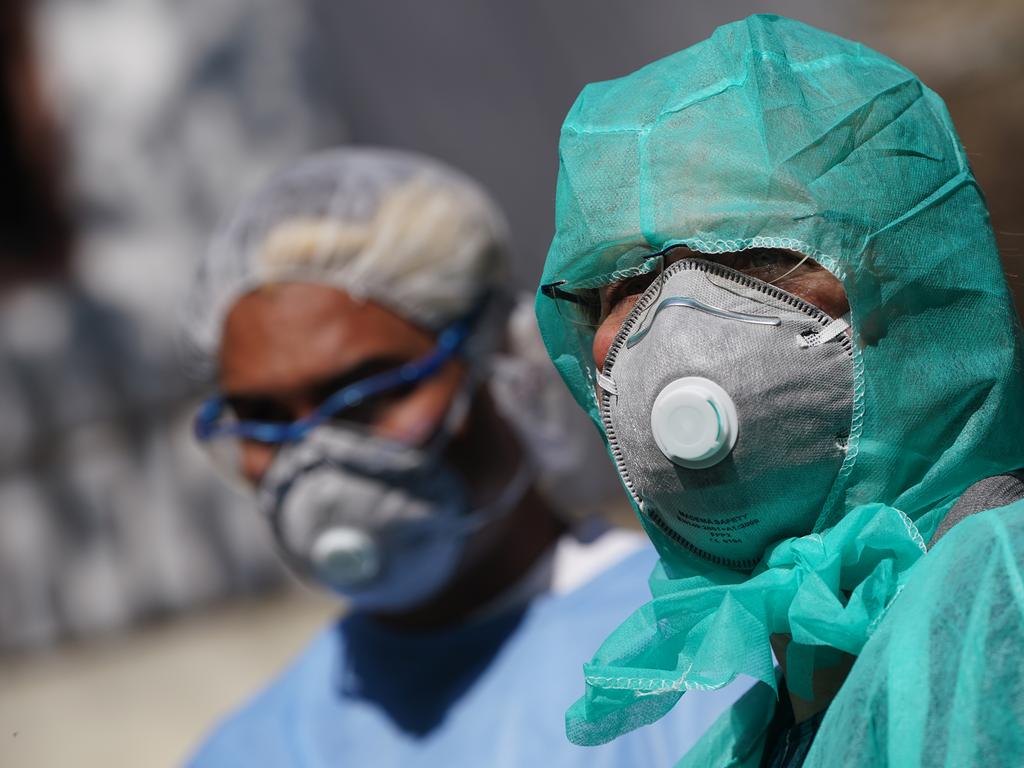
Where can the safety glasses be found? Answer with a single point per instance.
(215, 420)
(587, 306)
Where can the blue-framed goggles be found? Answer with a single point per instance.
(211, 422)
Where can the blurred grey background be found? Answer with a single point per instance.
(139, 598)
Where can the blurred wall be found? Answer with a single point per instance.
(168, 111)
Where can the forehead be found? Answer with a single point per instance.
(282, 337)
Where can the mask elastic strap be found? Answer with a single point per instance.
(832, 329)
(505, 502)
(455, 416)
(607, 383)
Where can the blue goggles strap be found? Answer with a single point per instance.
(208, 425)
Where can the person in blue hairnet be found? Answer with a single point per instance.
(403, 444)
(774, 287)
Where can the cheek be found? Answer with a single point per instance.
(415, 419)
(602, 343)
(256, 460)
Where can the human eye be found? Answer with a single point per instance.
(258, 409)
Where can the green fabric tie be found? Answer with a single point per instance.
(704, 626)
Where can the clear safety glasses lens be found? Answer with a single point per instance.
(215, 419)
(580, 307)
(587, 307)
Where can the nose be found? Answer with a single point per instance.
(609, 327)
(602, 343)
(255, 460)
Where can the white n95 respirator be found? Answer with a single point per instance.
(727, 404)
(380, 523)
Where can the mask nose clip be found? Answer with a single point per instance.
(700, 306)
(694, 422)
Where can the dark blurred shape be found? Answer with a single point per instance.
(35, 229)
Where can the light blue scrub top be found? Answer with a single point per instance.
(490, 693)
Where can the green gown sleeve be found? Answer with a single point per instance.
(940, 682)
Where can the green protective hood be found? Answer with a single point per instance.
(775, 134)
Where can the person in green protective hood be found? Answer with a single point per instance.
(774, 287)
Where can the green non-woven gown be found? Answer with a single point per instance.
(774, 134)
